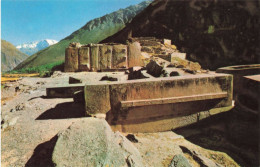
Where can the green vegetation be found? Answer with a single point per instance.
(44, 70)
(93, 32)
(211, 29)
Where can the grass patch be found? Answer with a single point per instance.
(44, 70)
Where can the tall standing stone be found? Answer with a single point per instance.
(105, 56)
(119, 56)
(94, 51)
(134, 54)
(84, 58)
(71, 59)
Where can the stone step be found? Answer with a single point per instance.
(146, 102)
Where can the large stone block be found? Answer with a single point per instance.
(119, 56)
(95, 56)
(84, 59)
(71, 59)
(167, 42)
(164, 102)
(178, 55)
(105, 57)
(97, 99)
(238, 73)
(134, 54)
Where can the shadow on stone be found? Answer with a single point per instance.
(42, 155)
(43, 97)
(64, 111)
(217, 133)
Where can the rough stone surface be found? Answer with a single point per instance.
(97, 99)
(91, 142)
(95, 58)
(136, 73)
(202, 160)
(174, 73)
(179, 55)
(134, 54)
(105, 57)
(119, 56)
(71, 60)
(108, 78)
(179, 161)
(154, 68)
(84, 59)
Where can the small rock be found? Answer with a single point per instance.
(11, 110)
(154, 69)
(132, 138)
(56, 74)
(179, 161)
(180, 66)
(171, 65)
(189, 71)
(20, 107)
(174, 73)
(73, 80)
(40, 83)
(136, 73)
(107, 78)
(17, 89)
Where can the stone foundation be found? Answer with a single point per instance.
(159, 104)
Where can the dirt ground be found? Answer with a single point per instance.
(30, 122)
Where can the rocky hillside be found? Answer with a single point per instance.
(33, 47)
(93, 32)
(214, 33)
(10, 56)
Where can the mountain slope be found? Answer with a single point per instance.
(33, 47)
(10, 56)
(93, 32)
(214, 33)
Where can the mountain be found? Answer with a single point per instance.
(214, 33)
(10, 56)
(93, 32)
(33, 47)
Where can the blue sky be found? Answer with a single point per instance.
(32, 20)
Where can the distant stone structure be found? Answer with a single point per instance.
(102, 57)
(109, 56)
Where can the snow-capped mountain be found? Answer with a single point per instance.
(33, 47)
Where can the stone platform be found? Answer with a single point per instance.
(246, 86)
(159, 104)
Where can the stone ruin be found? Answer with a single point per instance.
(102, 57)
(115, 57)
(159, 91)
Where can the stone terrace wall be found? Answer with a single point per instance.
(150, 41)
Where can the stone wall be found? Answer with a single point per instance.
(159, 104)
(98, 57)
